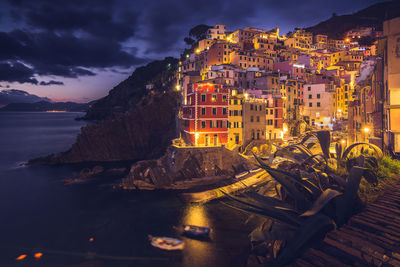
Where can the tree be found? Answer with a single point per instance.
(189, 41)
(199, 32)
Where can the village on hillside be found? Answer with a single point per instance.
(252, 85)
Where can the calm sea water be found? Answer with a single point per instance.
(39, 214)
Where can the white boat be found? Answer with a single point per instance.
(240, 175)
(166, 243)
(255, 170)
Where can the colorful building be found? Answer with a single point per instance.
(235, 125)
(319, 105)
(205, 115)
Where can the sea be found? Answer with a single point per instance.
(45, 223)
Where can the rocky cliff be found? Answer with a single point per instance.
(141, 134)
(186, 164)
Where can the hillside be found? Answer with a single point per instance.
(372, 16)
(8, 96)
(128, 93)
(134, 123)
(46, 106)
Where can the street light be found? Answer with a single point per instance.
(366, 131)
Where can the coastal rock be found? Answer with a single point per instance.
(185, 164)
(133, 122)
(142, 134)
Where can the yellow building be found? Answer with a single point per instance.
(204, 44)
(235, 125)
(343, 96)
(338, 56)
(251, 60)
(294, 42)
(253, 119)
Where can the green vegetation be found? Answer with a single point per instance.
(388, 172)
(314, 193)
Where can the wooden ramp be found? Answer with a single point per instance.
(251, 179)
(371, 238)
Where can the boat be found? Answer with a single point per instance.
(256, 169)
(195, 231)
(242, 174)
(166, 243)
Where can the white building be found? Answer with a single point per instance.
(319, 104)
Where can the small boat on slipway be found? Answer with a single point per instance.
(166, 243)
(195, 231)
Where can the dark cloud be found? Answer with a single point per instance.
(79, 37)
(104, 19)
(63, 55)
(16, 72)
(51, 82)
(69, 38)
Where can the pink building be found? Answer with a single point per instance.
(294, 69)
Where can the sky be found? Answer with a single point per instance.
(77, 50)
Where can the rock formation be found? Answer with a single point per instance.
(143, 134)
(185, 164)
(134, 123)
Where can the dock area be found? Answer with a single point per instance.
(370, 238)
(250, 179)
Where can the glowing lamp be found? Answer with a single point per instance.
(366, 130)
(343, 141)
(21, 257)
(178, 87)
(38, 255)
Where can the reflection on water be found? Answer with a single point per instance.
(196, 215)
(198, 252)
(38, 212)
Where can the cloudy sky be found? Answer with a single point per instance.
(79, 49)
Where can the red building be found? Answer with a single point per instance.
(205, 115)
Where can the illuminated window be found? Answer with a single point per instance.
(214, 98)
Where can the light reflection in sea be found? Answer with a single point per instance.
(198, 252)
